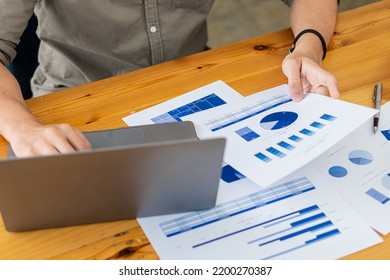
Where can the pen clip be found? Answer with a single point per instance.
(374, 95)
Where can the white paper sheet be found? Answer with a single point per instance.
(359, 168)
(269, 136)
(204, 98)
(299, 219)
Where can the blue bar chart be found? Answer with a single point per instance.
(378, 196)
(328, 117)
(307, 132)
(286, 145)
(272, 235)
(309, 225)
(263, 157)
(295, 138)
(175, 115)
(276, 152)
(247, 134)
(317, 125)
(236, 207)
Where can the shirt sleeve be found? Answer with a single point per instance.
(14, 16)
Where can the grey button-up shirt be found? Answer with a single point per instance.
(88, 40)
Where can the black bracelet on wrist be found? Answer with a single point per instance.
(292, 48)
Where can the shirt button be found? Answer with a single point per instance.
(153, 29)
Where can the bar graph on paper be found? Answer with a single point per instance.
(201, 104)
(266, 235)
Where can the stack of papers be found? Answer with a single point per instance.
(295, 179)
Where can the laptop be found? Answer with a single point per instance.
(130, 172)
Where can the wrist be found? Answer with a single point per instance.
(311, 49)
(13, 127)
(310, 43)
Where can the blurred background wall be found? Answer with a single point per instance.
(236, 20)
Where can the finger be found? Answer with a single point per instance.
(37, 148)
(56, 136)
(327, 81)
(46, 149)
(292, 70)
(333, 87)
(322, 90)
(78, 140)
(321, 81)
(62, 144)
(74, 139)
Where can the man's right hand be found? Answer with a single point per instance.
(42, 139)
(27, 135)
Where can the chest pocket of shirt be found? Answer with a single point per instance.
(193, 4)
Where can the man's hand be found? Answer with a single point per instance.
(26, 134)
(48, 139)
(306, 75)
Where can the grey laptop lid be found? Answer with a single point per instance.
(137, 135)
(113, 183)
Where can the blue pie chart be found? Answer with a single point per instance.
(338, 171)
(278, 120)
(360, 157)
(386, 181)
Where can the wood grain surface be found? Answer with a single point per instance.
(359, 56)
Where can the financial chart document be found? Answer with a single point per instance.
(359, 168)
(205, 98)
(301, 218)
(270, 136)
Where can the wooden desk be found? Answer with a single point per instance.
(359, 56)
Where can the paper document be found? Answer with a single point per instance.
(359, 168)
(269, 136)
(204, 98)
(301, 218)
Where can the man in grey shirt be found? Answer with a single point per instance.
(84, 41)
